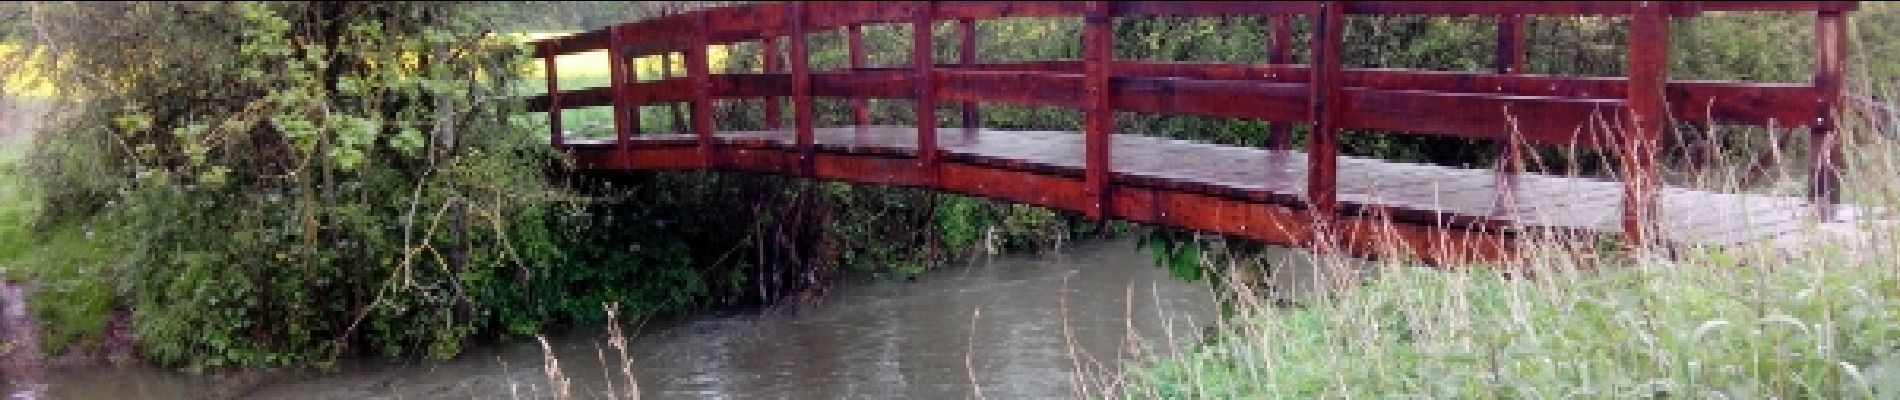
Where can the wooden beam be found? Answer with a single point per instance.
(1279, 52)
(1322, 147)
(554, 92)
(922, 59)
(967, 54)
(1005, 9)
(1643, 132)
(1510, 151)
(801, 85)
(1098, 35)
(625, 113)
(774, 118)
(854, 49)
(699, 70)
(1830, 48)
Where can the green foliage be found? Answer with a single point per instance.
(284, 182)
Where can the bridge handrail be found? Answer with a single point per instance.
(1538, 109)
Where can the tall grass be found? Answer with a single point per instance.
(1814, 314)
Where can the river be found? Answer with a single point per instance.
(1018, 326)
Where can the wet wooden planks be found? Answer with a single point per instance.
(1416, 193)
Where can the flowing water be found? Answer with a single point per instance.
(1024, 326)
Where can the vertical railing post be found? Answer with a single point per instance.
(666, 73)
(1648, 69)
(1097, 52)
(854, 49)
(699, 71)
(550, 50)
(773, 118)
(617, 72)
(926, 77)
(1824, 162)
(1510, 150)
(801, 89)
(967, 54)
(1322, 149)
(1280, 51)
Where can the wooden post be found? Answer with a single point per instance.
(672, 109)
(1323, 148)
(854, 47)
(699, 71)
(1830, 47)
(1097, 52)
(1510, 150)
(925, 78)
(1648, 69)
(624, 123)
(967, 54)
(666, 72)
(801, 88)
(550, 49)
(773, 118)
(1280, 51)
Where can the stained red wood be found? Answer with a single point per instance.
(1098, 36)
(1830, 44)
(554, 92)
(1510, 155)
(823, 15)
(732, 24)
(1280, 51)
(625, 122)
(1063, 90)
(922, 56)
(1001, 9)
(1212, 8)
(1780, 6)
(1495, 8)
(802, 85)
(699, 71)
(1648, 69)
(854, 45)
(1322, 146)
(1310, 198)
(1252, 188)
(966, 54)
(774, 117)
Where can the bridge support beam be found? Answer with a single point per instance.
(923, 59)
(1322, 148)
(1830, 48)
(1098, 35)
(699, 72)
(552, 49)
(854, 50)
(626, 115)
(1510, 150)
(769, 54)
(966, 54)
(1280, 52)
(800, 58)
(1648, 70)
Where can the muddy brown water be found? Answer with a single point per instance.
(1018, 326)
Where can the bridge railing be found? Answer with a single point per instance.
(1625, 115)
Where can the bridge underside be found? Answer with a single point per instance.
(1442, 215)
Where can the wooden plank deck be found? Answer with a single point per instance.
(1411, 193)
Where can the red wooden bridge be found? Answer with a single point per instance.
(1309, 197)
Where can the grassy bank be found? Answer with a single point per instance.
(1814, 316)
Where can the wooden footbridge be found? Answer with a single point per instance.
(1306, 197)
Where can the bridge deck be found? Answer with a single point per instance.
(1417, 193)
